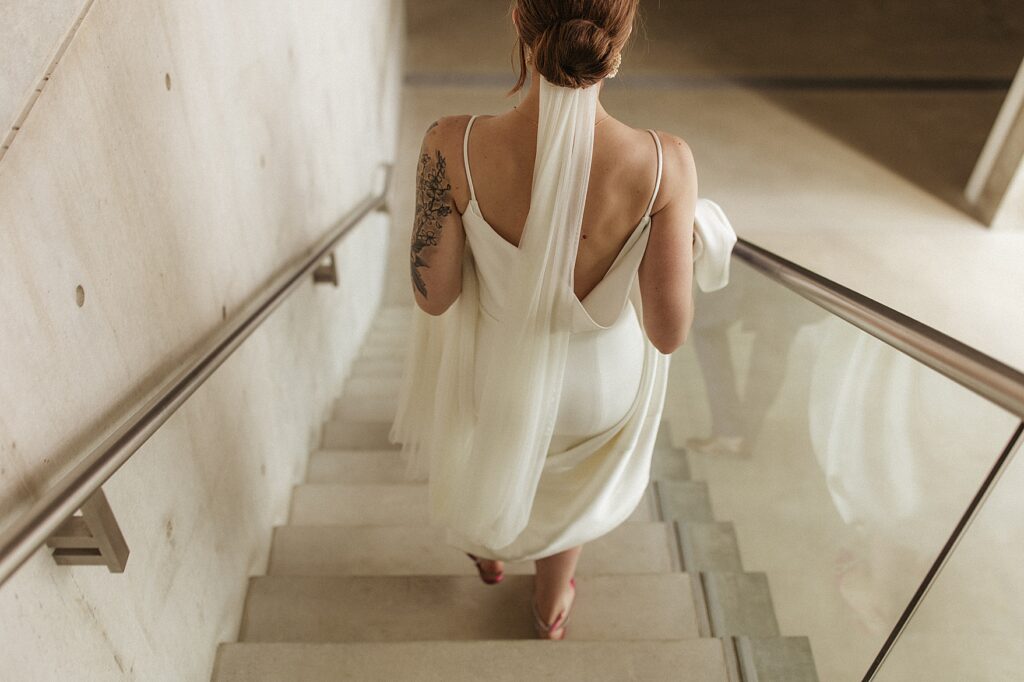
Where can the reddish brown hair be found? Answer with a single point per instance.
(573, 42)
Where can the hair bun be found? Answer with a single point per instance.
(574, 53)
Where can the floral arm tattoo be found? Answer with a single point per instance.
(433, 205)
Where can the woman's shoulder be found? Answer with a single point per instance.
(679, 171)
(442, 147)
(446, 131)
(636, 148)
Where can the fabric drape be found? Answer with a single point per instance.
(484, 461)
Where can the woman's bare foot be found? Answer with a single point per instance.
(491, 568)
(554, 592)
(552, 610)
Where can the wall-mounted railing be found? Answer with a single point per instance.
(93, 537)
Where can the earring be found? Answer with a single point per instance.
(529, 56)
(616, 63)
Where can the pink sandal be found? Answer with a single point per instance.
(490, 579)
(544, 630)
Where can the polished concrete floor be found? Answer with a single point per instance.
(838, 135)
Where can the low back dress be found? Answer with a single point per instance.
(613, 391)
(532, 414)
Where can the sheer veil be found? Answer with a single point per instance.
(484, 461)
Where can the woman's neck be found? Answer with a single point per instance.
(530, 104)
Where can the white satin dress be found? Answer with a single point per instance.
(598, 464)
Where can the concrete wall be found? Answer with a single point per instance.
(994, 188)
(33, 37)
(1011, 211)
(180, 154)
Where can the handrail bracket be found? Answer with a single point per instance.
(92, 538)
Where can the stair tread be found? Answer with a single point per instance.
(339, 434)
(447, 607)
(420, 549)
(355, 466)
(500, 661)
(709, 546)
(370, 405)
(383, 503)
(685, 500)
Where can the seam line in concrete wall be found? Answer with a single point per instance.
(19, 122)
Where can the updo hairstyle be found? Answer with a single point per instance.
(573, 43)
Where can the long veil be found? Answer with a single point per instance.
(484, 461)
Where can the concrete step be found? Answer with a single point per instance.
(376, 504)
(739, 604)
(355, 466)
(709, 546)
(776, 659)
(472, 661)
(685, 500)
(421, 550)
(389, 368)
(357, 435)
(377, 405)
(670, 464)
(425, 607)
(368, 386)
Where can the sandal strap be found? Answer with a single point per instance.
(561, 620)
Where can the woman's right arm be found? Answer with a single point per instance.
(666, 270)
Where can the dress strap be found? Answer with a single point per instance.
(465, 156)
(657, 183)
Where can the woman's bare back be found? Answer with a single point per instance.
(502, 150)
(624, 168)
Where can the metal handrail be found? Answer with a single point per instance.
(31, 529)
(967, 366)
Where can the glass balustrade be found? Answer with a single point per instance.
(843, 466)
(970, 624)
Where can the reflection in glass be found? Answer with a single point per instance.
(843, 464)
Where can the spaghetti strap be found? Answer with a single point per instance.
(657, 182)
(465, 156)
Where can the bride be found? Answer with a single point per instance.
(551, 262)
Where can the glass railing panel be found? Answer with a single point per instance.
(842, 463)
(970, 624)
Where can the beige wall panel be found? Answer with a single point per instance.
(170, 207)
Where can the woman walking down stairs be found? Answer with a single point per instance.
(360, 587)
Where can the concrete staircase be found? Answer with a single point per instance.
(360, 587)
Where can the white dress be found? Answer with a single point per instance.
(613, 392)
(532, 414)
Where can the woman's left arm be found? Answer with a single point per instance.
(438, 238)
